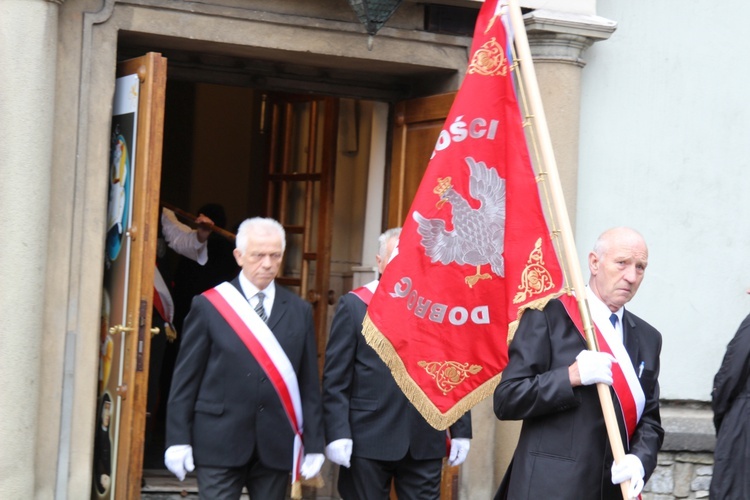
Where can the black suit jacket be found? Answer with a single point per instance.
(221, 402)
(563, 451)
(730, 401)
(362, 402)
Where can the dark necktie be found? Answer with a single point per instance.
(259, 306)
(613, 320)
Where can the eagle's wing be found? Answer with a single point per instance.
(439, 244)
(486, 185)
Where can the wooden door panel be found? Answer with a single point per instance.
(417, 124)
(299, 177)
(135, 170)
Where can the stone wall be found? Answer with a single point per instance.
(680, 475)
(686, 460)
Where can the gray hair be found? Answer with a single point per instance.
(384, 238)
(259, 225)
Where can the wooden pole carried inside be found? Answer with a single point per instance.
(187, 216)
(539, 122)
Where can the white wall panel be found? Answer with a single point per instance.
(665, 148)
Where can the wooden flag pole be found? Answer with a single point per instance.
(539, 122)
(191, 218)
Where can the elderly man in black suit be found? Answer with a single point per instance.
(245, 383)
(549, 383)
(372, 429)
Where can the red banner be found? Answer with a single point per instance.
(475, 249)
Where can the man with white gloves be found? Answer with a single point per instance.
(550, 383)
(244, 408)
(372, 429)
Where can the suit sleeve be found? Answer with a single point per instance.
(649, 434)
(189, 368)
(535, 381)
(732, 374)
(309, 386)
(462, 427)
(338, 372)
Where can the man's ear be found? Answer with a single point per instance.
(237, 256)
(593, 263)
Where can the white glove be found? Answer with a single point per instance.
(311, 465)
(629, 468)
(179, 460)
(595, 367)
(459, 450)
(340, 452)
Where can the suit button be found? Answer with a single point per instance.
(260, 407)
(262, 379)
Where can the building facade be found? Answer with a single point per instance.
(228, 62)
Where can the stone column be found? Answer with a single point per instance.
(557, 41)
(28, 45)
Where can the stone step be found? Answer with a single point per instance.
(160, 484)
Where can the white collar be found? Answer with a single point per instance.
(250, 290)
(600, 313)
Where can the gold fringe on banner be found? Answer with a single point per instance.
(414, 392)
(537, 304)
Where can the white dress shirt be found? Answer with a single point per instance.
(251, 291)
(600, 314)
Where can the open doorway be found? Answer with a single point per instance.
(218, 150)
(236, 152)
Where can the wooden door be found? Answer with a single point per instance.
(135, 171)
(416, 126)
(299, 176)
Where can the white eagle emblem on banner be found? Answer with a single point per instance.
(478, 235)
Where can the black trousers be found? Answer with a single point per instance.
(262, 483)
(371, 479)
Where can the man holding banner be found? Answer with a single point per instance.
(477, 264)
(549, 383)
(245, 384)
(372, 429)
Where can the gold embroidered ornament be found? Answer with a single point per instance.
(449, 374)
(489, 60)
(535, 278)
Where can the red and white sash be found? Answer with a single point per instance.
(162, 298)
(625, 382)
(264, 347)
(366, 292)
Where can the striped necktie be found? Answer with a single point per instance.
(259, 306)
